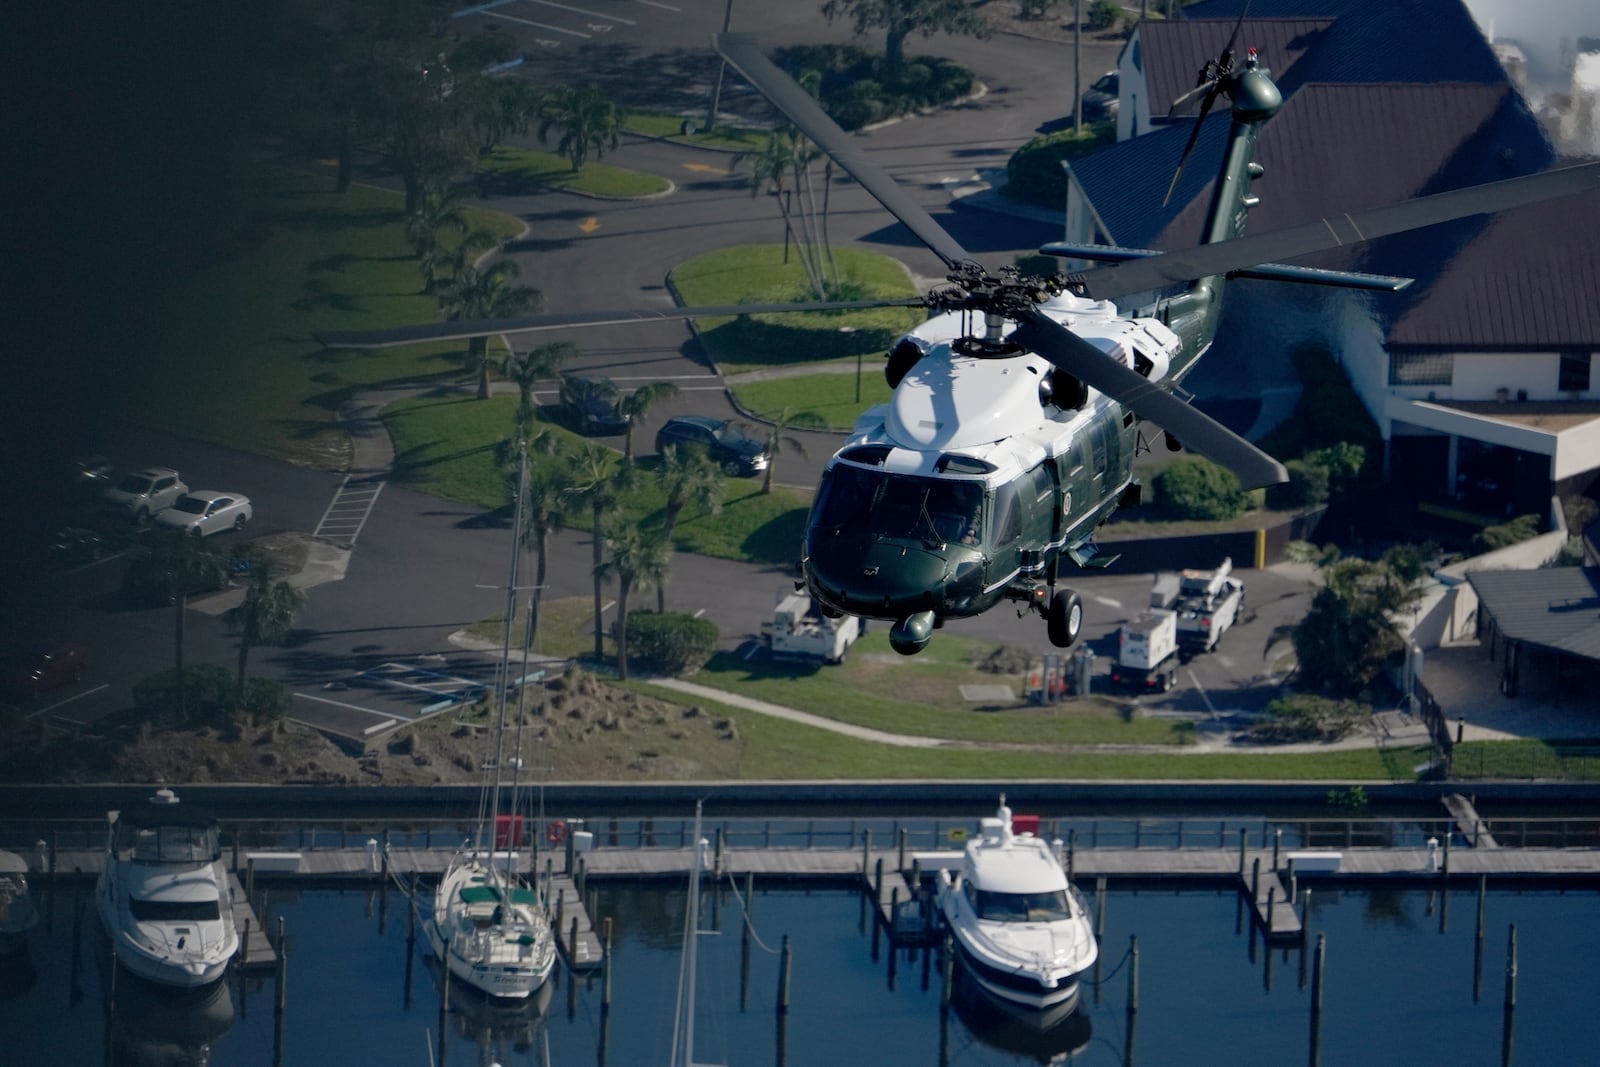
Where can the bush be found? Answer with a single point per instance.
(1034, 173)
(1103, 15)
(1196, 488)
(208, 695)
(1304, 717)
(670, 643)
(1307, 486)
(856, 87)
(265, 700)
(1519, 529)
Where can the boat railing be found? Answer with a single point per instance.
(905, 834)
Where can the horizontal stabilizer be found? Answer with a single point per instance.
(1088, 555)
(1275, 272)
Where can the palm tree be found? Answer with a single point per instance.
(172, 565)
(264, 616)
(778, 435)
(486, 294)
(635, 404)
(599, 478)
(441, 209)
(689, 476)
(588, 121)
(453, 262)
(782, 157)
(637, 556)
(534, 366)
(549, 492)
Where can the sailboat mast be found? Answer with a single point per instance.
(505, 649)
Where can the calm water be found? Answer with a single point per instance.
(1399, 990)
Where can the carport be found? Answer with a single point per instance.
(1543, 627)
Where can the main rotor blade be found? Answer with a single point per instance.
(742, 52)
(1197, 430)
(555, 320)
(1108, 283)
(1194, 135)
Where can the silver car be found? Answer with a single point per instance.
(146, 492)
(208, 511)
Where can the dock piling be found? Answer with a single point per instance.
(1317, 967)
(785, 969)
(605, 965)
(1133, 975)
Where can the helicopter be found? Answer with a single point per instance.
(1014, 420)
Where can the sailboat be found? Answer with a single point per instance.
(683, 1026)
(489, 927)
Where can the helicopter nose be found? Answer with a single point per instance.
(875, 580)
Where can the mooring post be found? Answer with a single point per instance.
(572, 941)
(1272, 900)
(866, 851)
(444, 1007)
(561, 903)
(244, 944)
(1511, 970)
(605, 967)
(1447, 838)
(1133, 974)
(1255, 881)
(1100, 908)
(716, 863)
(1244, 844)
(1277, 843)
(236, 850)
(1072, 852)
(250, 880)
(947, 966)
(877, 882)
(1317, 966)
(904, 834)
(283, 969)
(785, 966)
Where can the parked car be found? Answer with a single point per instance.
(724, 441)
(589, 405)
(73, 546)
(204, 512)
(1100, 99)
(145, 492)
(47, 666)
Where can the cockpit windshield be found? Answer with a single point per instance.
(933, 510)
(1043, 907)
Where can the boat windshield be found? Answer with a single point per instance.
(875, 502)
(167, 844)
(174, 911)
(1022, 907)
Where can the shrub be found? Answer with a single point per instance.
(1519, 529)
(857, 87)
(1196, 488)
(1304, 717)
(670, 643)
(265, 700)
(207, 699)
(1103, 15)
(1306, 488)
(1034, 173)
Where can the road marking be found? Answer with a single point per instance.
(584, 11)
(706, 168)
(539, 26)
(663, 7)
(1203, 694)
(1109, 602)
(349, 510)
(589, 225)
(64, 703)
(354, 707)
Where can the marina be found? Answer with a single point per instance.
(1258, 905)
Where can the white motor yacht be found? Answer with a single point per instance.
(1021, 930)
(164, 896)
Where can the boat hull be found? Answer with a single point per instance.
(503, 952)
(1022, 991)
(186, 954)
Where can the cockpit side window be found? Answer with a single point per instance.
(1008, 515)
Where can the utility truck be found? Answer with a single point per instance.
(1207, 604)
(799, 630)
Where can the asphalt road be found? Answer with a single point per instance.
(424, 568)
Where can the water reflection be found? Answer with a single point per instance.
(157, 1026)
(498, 1030)
(1053, 1036)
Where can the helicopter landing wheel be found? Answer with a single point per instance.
(1065, 619)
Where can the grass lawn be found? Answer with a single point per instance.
(660, 124)
(833, 396)
(239, 365)
(549, 170)
(758, 274)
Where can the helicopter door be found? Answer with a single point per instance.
(1106, 456)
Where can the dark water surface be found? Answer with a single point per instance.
(1400, 988)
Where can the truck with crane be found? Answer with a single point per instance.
(1208, 604)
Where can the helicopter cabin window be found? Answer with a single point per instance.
(951, 463)
(1008, 515)
(870, 455)
(898, 506)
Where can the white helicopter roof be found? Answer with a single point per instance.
(950, 401)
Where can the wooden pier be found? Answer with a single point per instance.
(1468, 822)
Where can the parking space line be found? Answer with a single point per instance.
(63, 703)
(583, 11)
(537, 25)
(355, 707)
